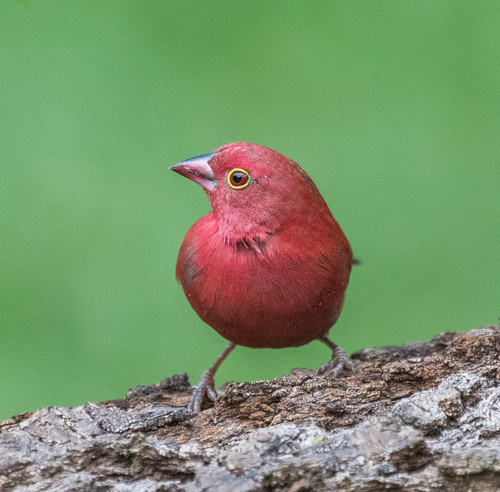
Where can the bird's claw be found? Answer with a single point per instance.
(340, 362)
(206, 386)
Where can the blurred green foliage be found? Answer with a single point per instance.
(392, 107)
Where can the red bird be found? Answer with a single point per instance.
(269, 265)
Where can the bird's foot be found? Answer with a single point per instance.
(340, 362)
(206, 386)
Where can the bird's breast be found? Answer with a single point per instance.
(286, 291)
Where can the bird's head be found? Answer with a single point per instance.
(253, 190)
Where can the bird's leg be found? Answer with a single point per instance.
(339, 362)
(206, 385)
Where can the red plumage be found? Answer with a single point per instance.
(269, 265)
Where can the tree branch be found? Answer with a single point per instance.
(417, 417)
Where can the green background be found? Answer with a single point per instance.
(392, 107)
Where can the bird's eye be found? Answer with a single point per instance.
(238, 179)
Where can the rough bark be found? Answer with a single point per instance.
(425, 416)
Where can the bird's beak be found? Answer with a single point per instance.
(198, 170)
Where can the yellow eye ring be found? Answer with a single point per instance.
(238, 179)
